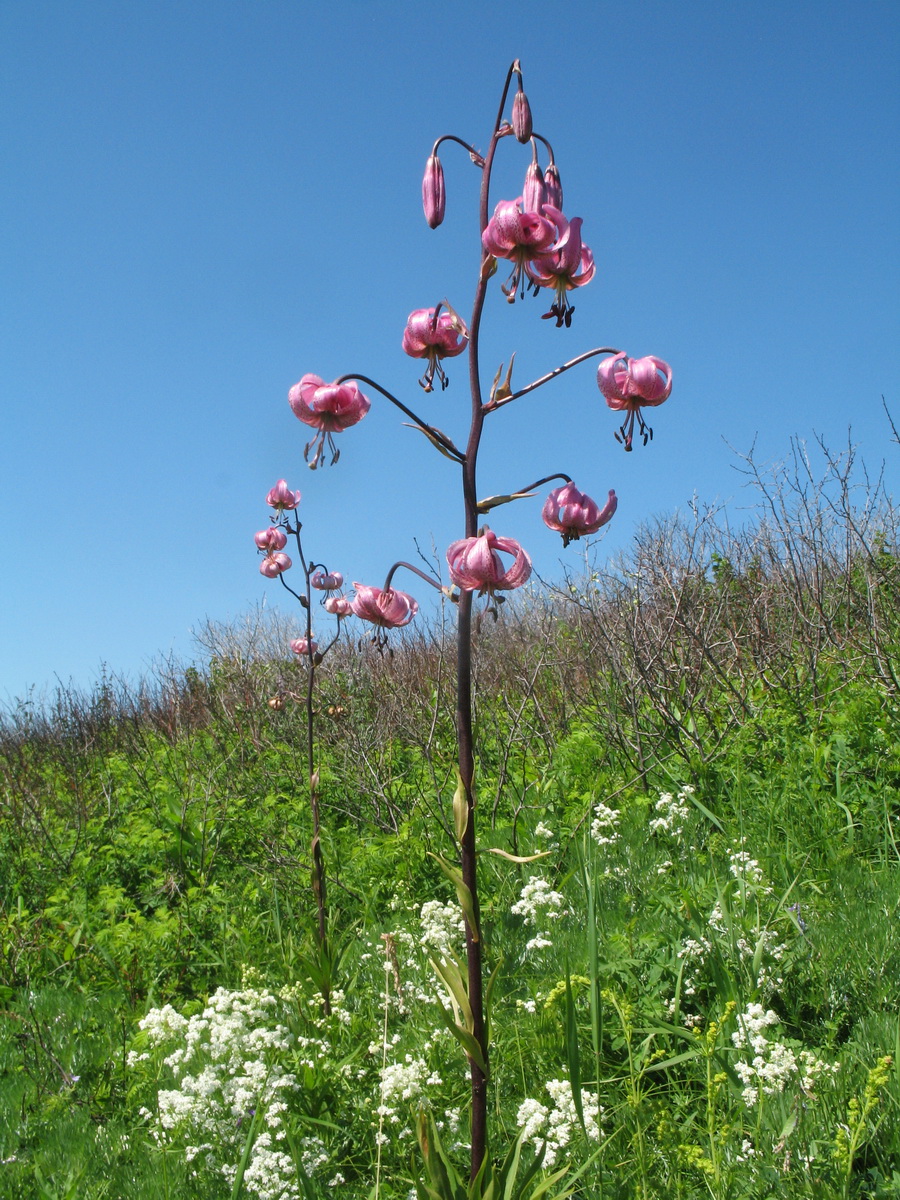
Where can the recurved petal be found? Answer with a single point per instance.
(520, 570)
(612, 379)
(652, 379)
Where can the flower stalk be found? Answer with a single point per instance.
(546, 252)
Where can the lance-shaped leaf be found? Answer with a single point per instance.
(490, 502)
(466, 902)
(446, 1182)
(460, 810)
(434, 436)
(451, 977)
(517, 858)
(502, 391)
(467, 1040)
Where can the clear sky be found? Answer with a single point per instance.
(203, 201)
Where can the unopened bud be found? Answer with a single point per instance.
(533, 193)
(552, 187)
(433, 198)
(521, 117)
(304, 647)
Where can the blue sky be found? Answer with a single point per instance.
(204, 201)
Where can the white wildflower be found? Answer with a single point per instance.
(442, 927)
(605, 825)
(537, 898)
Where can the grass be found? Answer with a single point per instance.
(697, 998)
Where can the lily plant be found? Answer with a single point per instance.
(546, 253)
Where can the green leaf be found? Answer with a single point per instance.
(451, 977)
(517, 858)
(574, 1058)
(466, 903)
(489, 502)
(465, 1039)
(460, 810)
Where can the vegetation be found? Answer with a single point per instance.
(694, 991)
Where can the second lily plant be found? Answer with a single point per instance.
(542, 249)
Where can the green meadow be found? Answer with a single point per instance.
(694, 988)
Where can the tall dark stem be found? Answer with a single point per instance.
(318, 861)
(464, 721)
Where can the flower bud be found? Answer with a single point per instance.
(270, 539)
(433, 198)
(274, 564)
(552, 187)
(533, 194)
(304, 646)
(338, 606)
(521, 117)
(326, 583)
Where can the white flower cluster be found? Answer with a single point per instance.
(537, 901)
(403, 1084)
(673, 812)
(552, 1127)
(773, 1065)
(226, 1062)
(747, 871)
(442, 928)
(605, 825)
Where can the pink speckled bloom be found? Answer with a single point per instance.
(270, 539)
(475, 563)
(274, 564)
(434, 335)
(518, 236)
(281, 497)
(630, 384)
(304, 647)
(326, 583)
(328, 407)
(388, 609)
(574, 514)
(570, 264)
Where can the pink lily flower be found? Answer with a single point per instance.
(574, 514)
(274, 564)
(326, 583)
(630, 384)
(434, 199)
(434, 335)
(270, 539)
(520, 237)
(337, 606)
(281, 497)
(328, 407)
(569, 265)
(303, 646)
(388, 609)
(475, 563)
